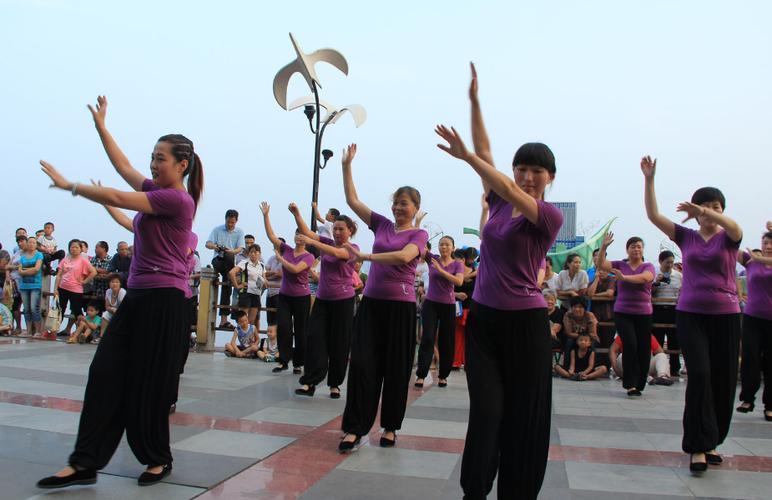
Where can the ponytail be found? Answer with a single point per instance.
(182, 149)
(195, 178)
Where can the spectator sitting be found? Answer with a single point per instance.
(581, 364)
(246, 335)
(666, 289)
(114, 295)
(579, 320)
(121, 262)
(88, 325)
(47, 246)
(268, 350)
(556, 319)
(573, 280)
(602, 290)
(550, 281)
(6, 320)
(100, 261)
(659, 367)
(325, 228)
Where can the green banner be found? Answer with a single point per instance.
(584, 250)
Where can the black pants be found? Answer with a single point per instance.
(271, 302)
(382, 351)
(757, 359)
(74, 299)
(329, 340)
(665, 313)
(292, 322)
(226, 290)
(710, 345)
(438, 322)
(635, 332)
(133, 380)
(509, 374)
(50, 257)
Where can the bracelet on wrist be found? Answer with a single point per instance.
(74, 190)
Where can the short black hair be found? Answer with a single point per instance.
(633, 240)
(248, 236)
(254, 246)
(707, 195)
(282, 240)
(537, 154)
(583, 333)
(578, 301)
(768, 235)
(49, 224)
(239, 314)
(458, 253)
(95, 304)
(665, 254)
(104, 245)
(335, 212)
(231, 212)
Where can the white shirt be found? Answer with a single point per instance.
(552, 283)
(325, 229)
(580, 280)
(255, 275)
(669, 290)
(275, 266)
(46, 242)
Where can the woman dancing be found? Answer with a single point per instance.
(383, 343)
(509, 401)
(133, 377)
(707, 315)
(332, 317)
(438, 313)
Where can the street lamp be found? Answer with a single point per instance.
(304, 64)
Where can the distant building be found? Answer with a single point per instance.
(567, 237)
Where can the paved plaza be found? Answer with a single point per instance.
(240, 432)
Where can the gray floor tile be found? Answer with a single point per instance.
(295, 416)
(729, 484)
(352, 485)
(401, 462)
(624, 479)
(234, 444)
(433, 428)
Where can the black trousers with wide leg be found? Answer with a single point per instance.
(329, 341)
(382, 351)
(292, 322)
(635, 332)
(710, 344)
(133, 380)
(509, 375)
(439, 324)
(757, 359)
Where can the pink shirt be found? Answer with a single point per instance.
(74, 271)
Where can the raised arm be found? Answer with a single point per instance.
(137, 201)
(506, 187)
(352, 199)
(301, 224)
(339, 252)
(482, 145)
(456, 279)
(122, 165)
(753, 257)
(602, 263)
(649, 168)
(317, 215)
(266, 208)
(419, 218)
(693, 211)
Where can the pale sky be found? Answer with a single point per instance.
(601, 82)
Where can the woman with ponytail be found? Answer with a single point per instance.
(134, 375)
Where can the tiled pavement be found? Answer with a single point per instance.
(240, 432)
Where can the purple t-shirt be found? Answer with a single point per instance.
(440, 289)
(511, 253)
(335, 281)
(162, 240)
(633, 298)
(387, 281)
(709, 285)
(292, 284)
(759, 282)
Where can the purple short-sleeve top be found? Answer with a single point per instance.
(295, 284)
(511, 252)
(633, 298)
(387, 281)
(440, 289)
(335, 281)
(759, 282)
(709, 285)
(162, 240)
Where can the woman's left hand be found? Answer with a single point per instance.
(355, 254)
(618, 275)
(57, 179)
(456, 146)
(436, 264)
(692, 211)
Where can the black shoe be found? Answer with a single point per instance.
(87, 476)
(713, 459)
(345, 446)
(419, 385)
(297, 370)
(745, 409)
(147, 478)
(280, 368)
(768, 415)
(442, 384)
(666, 381)
(697, 466)
(388, 443)
(633, 393)
(63, 333)
(334, 394)
(306, 392)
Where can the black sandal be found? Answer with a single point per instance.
(85, 476)
(745, 407)
(346, 446)
(697, 466)
(148, 478)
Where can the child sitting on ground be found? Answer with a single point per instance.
(246, 335)
(269, 348)
(88, 325)
(581, 361)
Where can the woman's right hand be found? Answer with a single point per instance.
(473, 84)
(293, 208)
(608, 239)
(348, 155)
(100, 112)
(648, 167)
(265, 207)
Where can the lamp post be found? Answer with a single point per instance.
(304, 64)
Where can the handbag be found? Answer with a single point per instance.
(54, 318)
